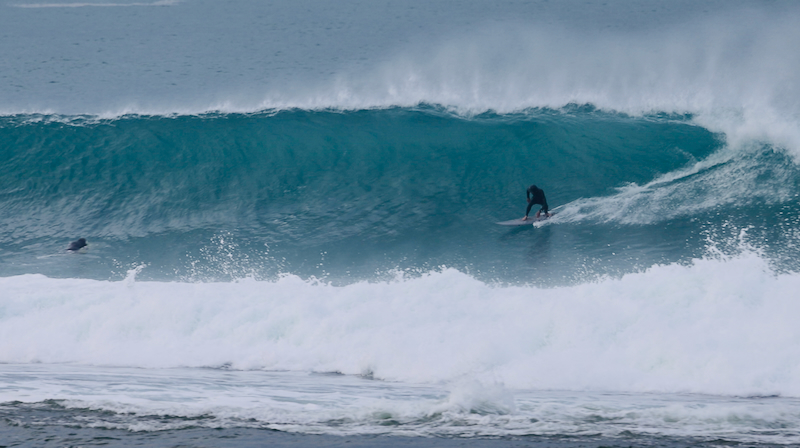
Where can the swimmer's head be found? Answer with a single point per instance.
(77, 245)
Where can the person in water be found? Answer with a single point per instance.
(535, 195)
(77, 245)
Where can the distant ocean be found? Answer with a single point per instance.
(291, 215)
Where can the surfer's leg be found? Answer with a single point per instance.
(528, 210)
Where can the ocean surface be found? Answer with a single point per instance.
(291, 211)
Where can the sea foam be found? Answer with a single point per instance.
(722, 325)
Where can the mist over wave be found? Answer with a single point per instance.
(735, 74)
(732, 65)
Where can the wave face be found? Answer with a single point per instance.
(346, 195)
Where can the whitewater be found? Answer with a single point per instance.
(291, 211)
(670, 329)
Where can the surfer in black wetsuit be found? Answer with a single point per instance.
(535, 195)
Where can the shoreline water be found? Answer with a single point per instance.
(59, 403)
(51, 436)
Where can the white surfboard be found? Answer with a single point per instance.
(527, 222)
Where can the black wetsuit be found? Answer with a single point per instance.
(77, 245)
(537, 198)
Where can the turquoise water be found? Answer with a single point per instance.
(343, 195)
(291, 214)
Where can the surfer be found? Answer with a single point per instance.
(77, 245)
(535, 195)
